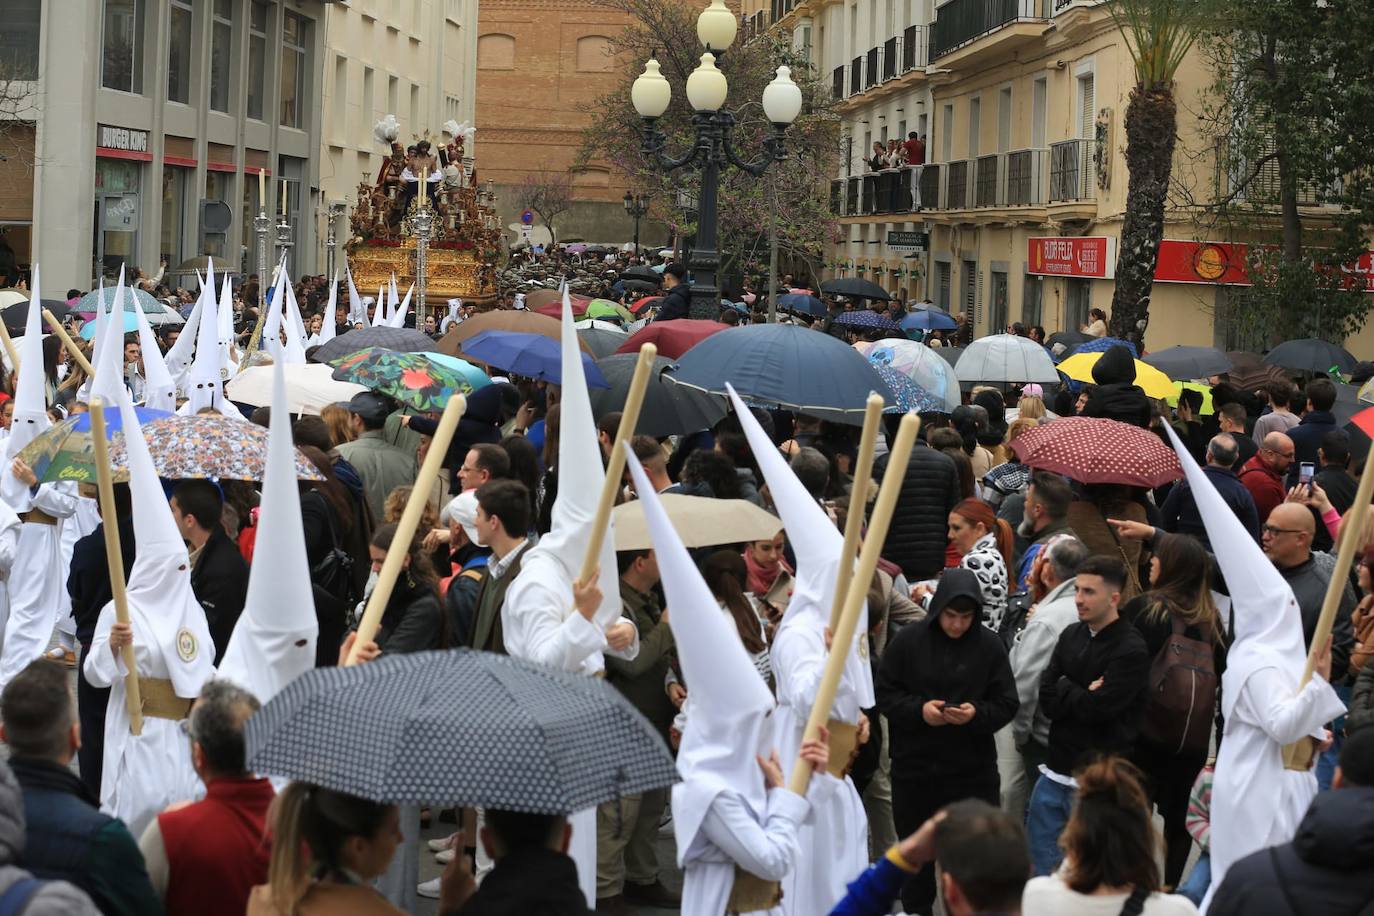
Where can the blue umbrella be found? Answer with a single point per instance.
(1098, 345)
(130, 325)
(531, 355)
(107, 296)
(863, 318)
(909, 396)
(928, 320)
(785, 366)
(470, 373)
(801, 302)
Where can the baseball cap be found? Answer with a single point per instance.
(369, 405)
(462, 509)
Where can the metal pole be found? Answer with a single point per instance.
(331, 242)
(772, 251)
(262, 223)
(704, 259)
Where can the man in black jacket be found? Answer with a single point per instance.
(533, 872)
(219, 576)
(1316, 422)
(677, 300)
(1334, 477)
(920, 524)
(1329, 866)
(1116, 396)
(1093, 691)
(946, 687)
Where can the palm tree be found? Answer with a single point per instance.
(1159, 35)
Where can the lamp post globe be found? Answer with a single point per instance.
(651, 91)
(782, 98)
(716, 26)
(707, 86)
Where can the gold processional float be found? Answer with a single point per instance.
(446, 241)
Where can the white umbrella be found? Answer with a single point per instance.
(700, 521)
(1006, 358)
(310, 387)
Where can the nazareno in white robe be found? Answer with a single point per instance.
(37, 581)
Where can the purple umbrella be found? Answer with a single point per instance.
(867, 319)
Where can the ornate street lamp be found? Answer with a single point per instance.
(636, 206)
(707, 89)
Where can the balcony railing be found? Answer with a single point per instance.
(1073, 170)
(851, 196)
(1019, 178)
(889, 59)
(872, 68)
(961, 21)
(837, 83)
(856, 75)
(1025, 177)
(957, 186)
(930, 186)
(837, 197)
(985, 183)
(1260, 185)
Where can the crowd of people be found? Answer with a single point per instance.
(1013, 714)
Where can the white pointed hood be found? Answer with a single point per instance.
(204, 380)
(160, 390)
(294, 349)
(99, 327)
(328, 325)
(271, 326)
(30, 409)
(580, 478)
(108, 383)
(393, 299)
(379, 312)
(1266, 619)
(398, 320)
(357, 310)
(817, 545)
(168, 615)
(225, 327)
(728, 703)
(274, 640)
(178, 356)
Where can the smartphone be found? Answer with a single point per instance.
(1305, 472)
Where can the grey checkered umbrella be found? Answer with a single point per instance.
(402, 340)
(460, 727)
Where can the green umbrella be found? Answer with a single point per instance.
(605, 308)
(64, 451)
(418, 380)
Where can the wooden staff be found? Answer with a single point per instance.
(858, 493)
(858, 589)
(9, 346)
(114, 558)
(405, 528)
(72, 348)
(615, 468)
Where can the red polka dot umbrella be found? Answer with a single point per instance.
(1090, 450)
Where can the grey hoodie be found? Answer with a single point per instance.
(53, 898)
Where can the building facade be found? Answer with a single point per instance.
(415, 60)
(541, 66)
(151, 124)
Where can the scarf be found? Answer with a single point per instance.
(760, 579)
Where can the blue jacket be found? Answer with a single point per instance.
(872, 893)
(1307, 438)
(1179, 512)
(677, 303)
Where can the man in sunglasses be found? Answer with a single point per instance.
(1287, 541)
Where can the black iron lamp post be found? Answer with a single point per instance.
(636, 206)
(707, 89)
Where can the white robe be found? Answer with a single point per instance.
(540, 624)
(37, 584)
(144, 774)
(730, 834)
(1256, 803)
(834, 840)
(9, 550)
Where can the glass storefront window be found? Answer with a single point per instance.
(122, 41)
(218, 186)
(221, 54)
(174, 184)
(292, 69)
(179, 52)
(257, 57)
(19, 39)
(116, 214)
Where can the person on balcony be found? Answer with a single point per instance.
(878, 161)
(915, 149)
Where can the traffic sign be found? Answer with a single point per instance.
(527, 217)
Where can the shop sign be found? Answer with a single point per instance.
(908, 241)
(1223, 264)
(1091, 257)
(121, 213)
(124, 139)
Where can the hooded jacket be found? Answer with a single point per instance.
(529, 882)
(52, 898)
(1328, 868)
(918, 534)
(1116, 396)
(923, 663)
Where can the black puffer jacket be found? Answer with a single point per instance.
(1116, 396)
(1327, 869)
(920, 523)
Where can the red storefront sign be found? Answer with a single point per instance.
(1223, 263)
(1092, 257)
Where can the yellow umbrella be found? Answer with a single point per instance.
(1154, 383)
(1193, 386)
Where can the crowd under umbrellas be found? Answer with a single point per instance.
(766, 757)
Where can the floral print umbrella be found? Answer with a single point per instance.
(205, 446)
(415, 379)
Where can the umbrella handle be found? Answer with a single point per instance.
(615, 467)
(72, 348)
(843, 635)
(405, 528)
(114, 556)
(863, 472)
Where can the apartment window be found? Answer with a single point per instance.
(416, 115)
(292, 69)
(452, 108)
(1087, 107)
(1039, 111)
(968, 297)
(122, 46)
(340, 98)
(369, 96)
(1031, 289)
(975, 116)
(947, 135)
(179, 52)
(393, 95)
(221, 54)
(257, 57)
(942, 284)
(1004, 120)
(19, 39)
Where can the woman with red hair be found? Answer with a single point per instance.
(983, 542)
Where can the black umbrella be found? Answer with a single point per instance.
(402, 340)
(640, 272)
(668, 409)
(1311, 354)
(460, 727)
(855, 288)
(15, 315)
(950, 354)
(603, 341)
(1184, 363)
(642, 286)
(1061, 343)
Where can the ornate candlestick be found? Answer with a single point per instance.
(421, 226)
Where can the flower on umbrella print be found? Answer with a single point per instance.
(416, 379)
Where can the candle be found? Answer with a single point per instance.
(262, 189)
(283, 198)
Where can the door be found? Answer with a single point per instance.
(118, 236)
(1077, 300)
(1030, 301)
(1000, 319)
(942, 284)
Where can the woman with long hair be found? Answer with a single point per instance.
(340, 424)
(1179, 599)
(1109, 848)
(413, 620)
(327, 848)
(727, 576)
(984, 544)
(949, 441)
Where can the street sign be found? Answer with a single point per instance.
(527, 217)
(911, 241)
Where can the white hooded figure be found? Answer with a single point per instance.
(834, 840)
(398, 320)
(273, 642)
(1256, 802)
(393, 301)
(178, 355)
(379, 310)
(294, 349)
(328, 326)
(723, 813)
(108, 349)
(225, 329)
(539, 620)
(159, 389)
(205, 380)
(172, 650)
(357, 308)
(36, 583)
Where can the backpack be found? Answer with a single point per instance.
(1182, 693)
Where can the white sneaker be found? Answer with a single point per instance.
(428, 889)
(445, 856)
(441, 845)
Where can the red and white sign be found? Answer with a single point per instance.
(1223, 263)
(1092, 257)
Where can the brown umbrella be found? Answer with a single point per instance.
(1250, 372)
(542, 297)
(503, 320)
